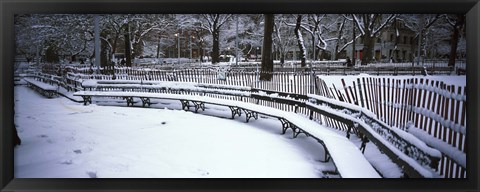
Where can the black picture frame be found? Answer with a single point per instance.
(10, 7)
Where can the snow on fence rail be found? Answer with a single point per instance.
(435, 107)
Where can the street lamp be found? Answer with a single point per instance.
(256, 53)
(201, 50)
(97, 40)
(190, 44)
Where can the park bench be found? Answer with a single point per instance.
(403, 148)
(164, 86)
(41, 87)
(416, 158)
(342, 156)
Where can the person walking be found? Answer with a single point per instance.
(349, 62)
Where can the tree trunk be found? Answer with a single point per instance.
(301, 44)
(454, 40)
(128, 50)
(267, 59)
(368, 45)
(216, 46)
(104, 61)
(354, 52)
(201, 54)
(313, 48)
(339, 38)
(453, 48)
(159, 47)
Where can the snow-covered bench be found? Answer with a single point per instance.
(412, 154)
(157, 86)
(407, 151)
(336, 147)
(44, 88)
(292, 99)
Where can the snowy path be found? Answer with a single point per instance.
(61, 138)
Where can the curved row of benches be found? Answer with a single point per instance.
(417, 159)
(337, 148)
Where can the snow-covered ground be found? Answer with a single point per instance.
(61, 138)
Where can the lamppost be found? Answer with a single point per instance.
(256, 63)
(201, 51)
(97, 40)
(190, 45)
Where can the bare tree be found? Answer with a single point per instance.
(213, 24)
(70, 34)
(457, 22)
(421, 25)
(370, 26)
(283, 39)
(301, 44)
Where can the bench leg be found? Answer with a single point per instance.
(295, 131)
(285, 125)
(364, 144)
(129, 101)
(327, 154)
(198, 105)
(299, 131)
(250, 114)
(348, 132)
(51, 93)
(145, 101)
(235, 111)
(185, 105)
(86, 100)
